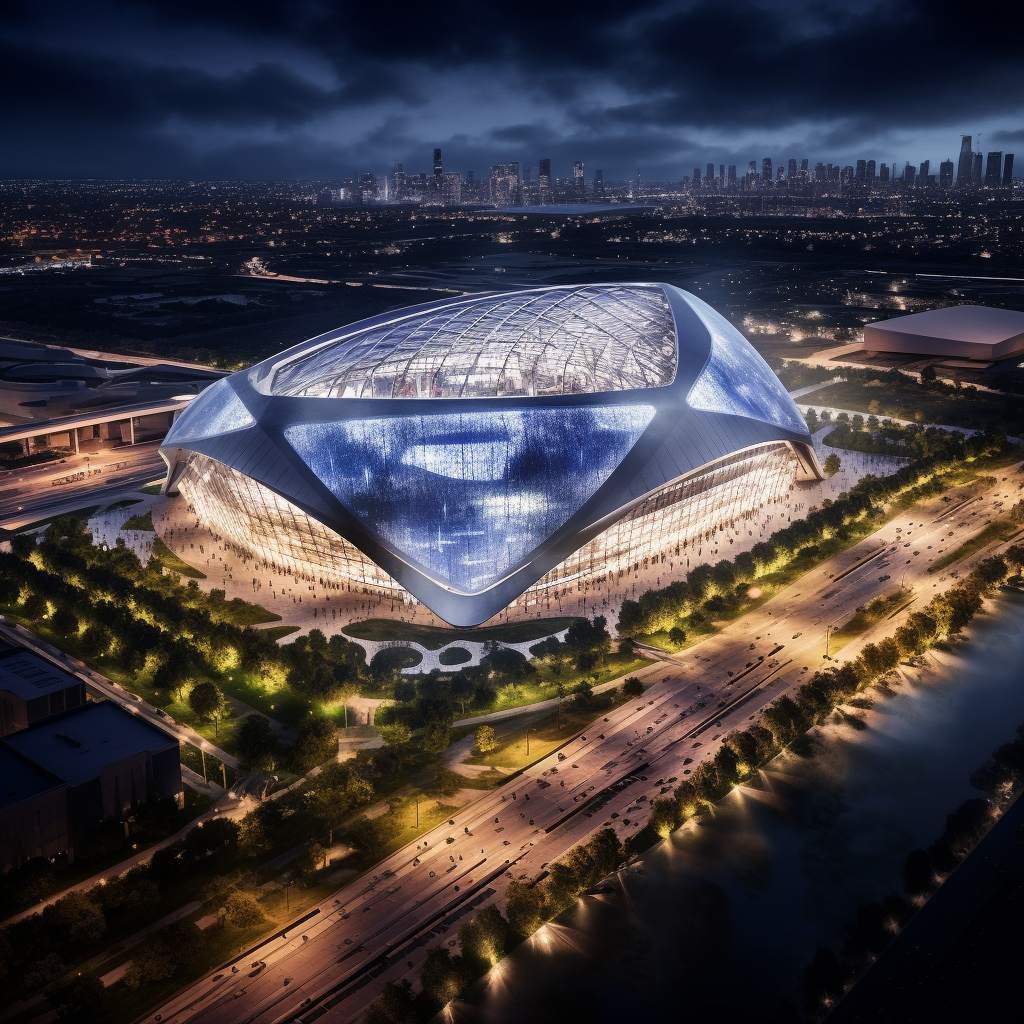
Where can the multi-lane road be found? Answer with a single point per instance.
(39, 492)
(333, 962)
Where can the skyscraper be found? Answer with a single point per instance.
(791, 172)
(544, 182)
(908, 174)
(862, 170)
(883, 172)
(993, 168)
(710, 175)
(696, 174)
(438, 173)
(579, 190)
(871, 170)
(752, 170)
(963, 167)
(766, 168)
(732, 174)
(721, 173)
(922, 173)
(598, 184)
(1008, 169)
(976, 168)
(946, 173)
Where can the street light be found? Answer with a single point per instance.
(829, 629)
(527, 742)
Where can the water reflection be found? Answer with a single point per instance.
(722, 918)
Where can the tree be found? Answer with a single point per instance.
(23, 544)
(811, 418)
(485, 939)
(485, 739)
(524, 904)
(80, 999)
(65, 621)
(444, 976)
(396, 736)
(928, 375)
(243, 910)
(832, 465)
(677, 635)
(315, 742)
(589, 641)
(75, 918)
(632, 687)
(257, 745)
(393, 1006)
(436, 736)
(207, 701)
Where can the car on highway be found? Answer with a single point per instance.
(882, 579)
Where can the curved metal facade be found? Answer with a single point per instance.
(468, 448)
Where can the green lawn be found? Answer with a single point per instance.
(881, 608)
(997, 530)
(436, 637)
(173, 563)
(545, 734)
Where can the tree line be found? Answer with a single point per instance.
(529, 904)
(720, 589)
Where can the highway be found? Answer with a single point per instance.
(333, 962)
(77, 481)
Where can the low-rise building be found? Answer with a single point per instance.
(32, 689)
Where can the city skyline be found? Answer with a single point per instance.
(307, 90)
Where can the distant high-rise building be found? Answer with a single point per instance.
(976, 169)
(732, 174)
(909, 174)
(871, 170)
(819, 172)
(780, 173)
(438, 172)
(710, 172)
(922, 172)
(721, 173)
(804, 165)
(883, 172)
(993, 169)
(544, 181)
(946, 173)
(579, 189)
(766, 168)
(752, 170)
(504, 184)
(398, 189)
(791, 172)
(598, 184)
(696, 174)
(451, 188)
(862, 170)
(1008, 170)
(963, 167)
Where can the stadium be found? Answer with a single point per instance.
(483, 453)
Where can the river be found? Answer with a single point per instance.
(719, 921)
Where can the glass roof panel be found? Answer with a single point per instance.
(736, 380)
(469, 495)
(552, 341)
(217, 410)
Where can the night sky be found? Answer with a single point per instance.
(322, 89)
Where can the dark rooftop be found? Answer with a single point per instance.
(20, 779)
(29, 676)
(79, 743)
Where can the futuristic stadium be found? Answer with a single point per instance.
(484, 453)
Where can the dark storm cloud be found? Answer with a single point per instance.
(322, 86)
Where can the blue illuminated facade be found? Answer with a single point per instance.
(469, 446)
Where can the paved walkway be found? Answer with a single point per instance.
(432, 659)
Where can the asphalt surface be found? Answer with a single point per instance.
(93, 478)
(333, 962)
